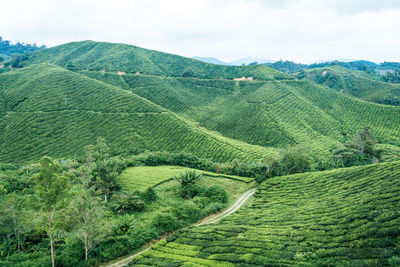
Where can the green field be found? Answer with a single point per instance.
(140, 178)
(346, 217)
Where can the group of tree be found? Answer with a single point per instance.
(7, 48)
(359, 150)
(392, 77)
(72, 198)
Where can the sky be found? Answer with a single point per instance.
(303, 31)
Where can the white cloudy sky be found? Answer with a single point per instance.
(298, 30)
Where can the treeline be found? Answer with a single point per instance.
(8, 49)
(292, 67)
(358, 150)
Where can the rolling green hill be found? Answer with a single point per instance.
(47, 110)
(355, 83)
(346, 217)
(275, 113)
(274, 110)
(131, 59)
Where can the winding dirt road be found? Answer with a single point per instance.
(239, 203)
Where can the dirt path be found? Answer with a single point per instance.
(231, 210)
(239, 203)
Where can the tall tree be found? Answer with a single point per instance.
(104, 169)
(51, 186)
(87, 213)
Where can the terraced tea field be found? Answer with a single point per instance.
(345, 217)
(47, 110)
(140, 178)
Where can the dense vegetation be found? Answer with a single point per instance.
(8, 49)
(360, 84)
(94, 203)
(85, 214)
(347, 217)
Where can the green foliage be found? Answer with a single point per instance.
(9, 49)
(188, 180)
(150, 194)
(344, 217)
(125, 202)
(295, 160)
(123, 226)
(51, 183)
(165, 221)
(361, 84)
(216, 193)
(392, 77)
(360, 150)
(43, 101)
(188, 72)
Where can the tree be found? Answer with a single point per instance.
(361, 149)
(70, 66)
(11, 216)
(51, 185)
(105, 170)
(295, 160)
(88, 213)
(188, 72)
(188, 182)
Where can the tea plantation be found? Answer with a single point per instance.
(47, 110)
(347, 217)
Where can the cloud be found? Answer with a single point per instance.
(300, 30)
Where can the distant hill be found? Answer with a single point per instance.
(211, 60)
(361, 84)
(250, 59)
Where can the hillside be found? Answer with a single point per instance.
(47, 110)
(131, 59)
(277, 113)
(355, 83)
(346, 217)
(273, 110)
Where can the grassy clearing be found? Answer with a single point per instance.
(140, 178)
(346, 217)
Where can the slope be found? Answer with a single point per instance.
(275, 113)
(131, 59)
(47, 110)
(346, 217)
(355, 83)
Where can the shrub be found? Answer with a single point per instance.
(123, 226)
(165, 222)
(126, 203)
(216, 193)
(188, 212)
(150, 194)
(191, 191)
